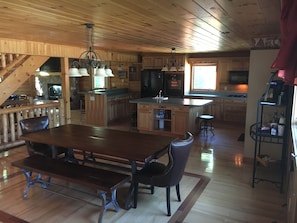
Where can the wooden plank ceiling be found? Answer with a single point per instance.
(191, 26)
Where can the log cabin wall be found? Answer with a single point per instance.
(22, 47)
(224, 65)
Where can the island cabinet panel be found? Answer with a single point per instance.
(96, 110)
(180, 120)
(162, 118)
(144, 117)
(167, 120)
(118, 108)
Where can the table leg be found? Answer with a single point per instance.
(128, 204)
(69, 156)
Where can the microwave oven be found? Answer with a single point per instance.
(238, 77)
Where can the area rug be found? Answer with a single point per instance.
(62, 203)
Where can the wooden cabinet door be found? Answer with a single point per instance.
(234, 110)
(158, 62)
(180, 120)
(144, 117)
(215, 108)
(147, 62)
(152, 62)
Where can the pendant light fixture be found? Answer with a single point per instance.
(88, 59)
(173, 60)
(172, 66)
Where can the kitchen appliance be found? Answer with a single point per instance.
(238, 77)
(174, 84)
(151, 82)
(154, 80)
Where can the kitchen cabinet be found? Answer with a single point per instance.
(144, 117)
(167, 120)
(158, 61)
(234, 110)
(180, 120)
(96, 109)
(118, 107)
(152, 62)
(104, 106)
(134, 72)
(216, 108)
(227, 108)
(162, 118)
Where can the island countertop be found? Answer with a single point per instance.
(173, 101)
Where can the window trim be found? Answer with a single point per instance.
(192, 76)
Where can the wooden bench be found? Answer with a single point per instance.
(104, 181)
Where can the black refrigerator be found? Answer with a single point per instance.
(151, 82)
(171, 83)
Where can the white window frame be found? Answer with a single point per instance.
(193, 88)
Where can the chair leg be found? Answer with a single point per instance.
(135, 194)
(211, 129)
(178, 192)
(168, 201)
(152, 189)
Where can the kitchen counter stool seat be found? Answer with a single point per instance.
(206, 123)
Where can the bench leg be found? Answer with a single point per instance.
(30, 181)
(106, 204)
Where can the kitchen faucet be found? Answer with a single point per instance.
(160, 94)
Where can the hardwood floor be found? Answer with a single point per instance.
(228, 197)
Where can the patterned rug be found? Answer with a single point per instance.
(150, 207)
(65, 202)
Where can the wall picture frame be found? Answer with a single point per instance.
(122, 74)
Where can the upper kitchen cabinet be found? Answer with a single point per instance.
(225, 65)
(134, 72)
(159, 61)
(152, 62)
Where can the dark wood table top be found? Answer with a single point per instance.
(132, 146)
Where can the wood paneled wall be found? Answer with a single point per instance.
(225, 64)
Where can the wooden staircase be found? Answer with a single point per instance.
(15, 69)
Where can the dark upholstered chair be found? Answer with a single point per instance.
(37, 124)
(160, 175)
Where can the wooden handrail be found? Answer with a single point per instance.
(10, 130)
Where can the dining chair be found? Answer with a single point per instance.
(161, 175)
(37, 124)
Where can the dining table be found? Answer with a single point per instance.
(130, 145)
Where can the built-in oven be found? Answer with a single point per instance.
(174, 84)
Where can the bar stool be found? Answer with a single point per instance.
(206, 123)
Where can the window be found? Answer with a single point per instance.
(204, 77)
(99, 82)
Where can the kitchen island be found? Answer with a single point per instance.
(106, 105)
(169, 115)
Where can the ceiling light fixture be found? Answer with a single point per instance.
(88, 60)
(172, 66)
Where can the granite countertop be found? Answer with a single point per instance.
(173, 101)
(110, 93)
(218, 94)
